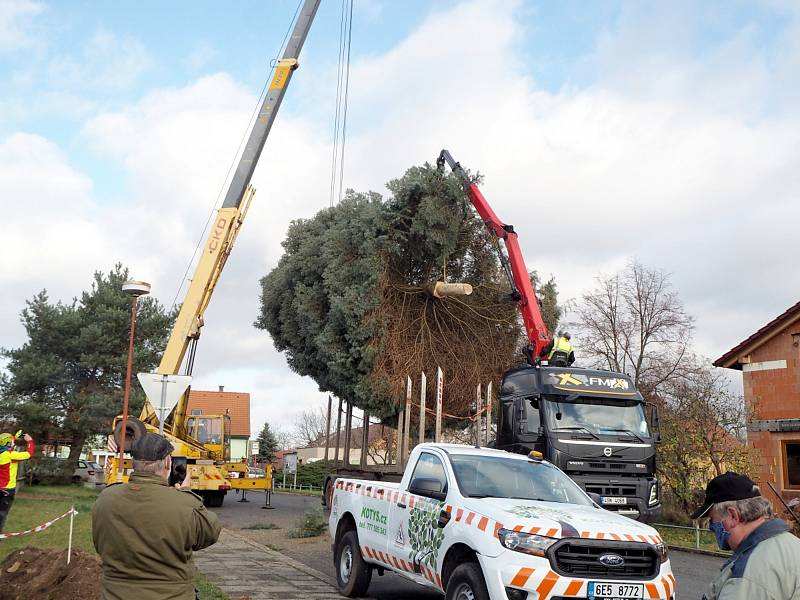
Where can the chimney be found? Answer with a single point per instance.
(222, 388)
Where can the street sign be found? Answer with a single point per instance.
(163, 391)
(291, 462)
(253, 447)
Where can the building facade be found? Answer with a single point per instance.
(770, 364)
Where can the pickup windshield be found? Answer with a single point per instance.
(607, 417)
(499, 477)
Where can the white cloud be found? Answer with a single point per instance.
(200, 55)
(15, 22)
(590, 177)
(106, 63)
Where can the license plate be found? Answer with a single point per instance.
(599, 590)
(614, 500)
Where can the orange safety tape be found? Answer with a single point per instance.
(38, 528)
(547, 584)
(521, 578)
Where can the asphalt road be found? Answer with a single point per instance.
(692, 571)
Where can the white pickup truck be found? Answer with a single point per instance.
(480, 524)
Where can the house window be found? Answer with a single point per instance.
(791, 464)
(197, 411)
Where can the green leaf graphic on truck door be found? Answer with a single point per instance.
(424, 535)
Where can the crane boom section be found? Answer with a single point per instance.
(228, 220)
(535, 328)
(269, 108)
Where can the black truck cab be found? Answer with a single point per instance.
(592, 425)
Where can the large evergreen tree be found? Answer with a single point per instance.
(350, 303)
(267, 444)
(65, 383)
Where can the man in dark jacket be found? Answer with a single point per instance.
(766, 558)
(145, 531)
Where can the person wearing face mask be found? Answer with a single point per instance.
(765, 564)
(146, 530)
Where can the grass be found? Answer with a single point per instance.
(207, 590)
(262, 526)
(36, 504)
(311, 524)
(685, 538)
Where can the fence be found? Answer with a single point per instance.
(290, 487)
(701, 536)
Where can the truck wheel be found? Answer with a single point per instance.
(467, 583)
(352, 573)
(328, 495)
(213, 498)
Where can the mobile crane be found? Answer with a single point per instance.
(590, 423)
(208, 461)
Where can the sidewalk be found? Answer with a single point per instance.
(246, 570)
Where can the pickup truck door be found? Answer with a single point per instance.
(373, 519)
(414, 538)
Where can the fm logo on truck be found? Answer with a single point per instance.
(582, 380)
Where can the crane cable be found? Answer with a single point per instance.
(342, 94)
(272, 63)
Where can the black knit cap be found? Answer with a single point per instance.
(150, 447)
(724, 488)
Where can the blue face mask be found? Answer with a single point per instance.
(721, 534)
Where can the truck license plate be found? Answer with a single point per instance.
(599, 590)
(614, 500)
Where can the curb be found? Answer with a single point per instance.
(286, 559)
(700, 551)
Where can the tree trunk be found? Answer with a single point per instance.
(75, 449)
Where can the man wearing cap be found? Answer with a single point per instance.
(145, 530)
(766, 557)
(9, 457)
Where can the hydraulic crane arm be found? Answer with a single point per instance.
(226, 225)
(513, 264)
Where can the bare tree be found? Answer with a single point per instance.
(703, 426)
(309, 427)
(634, 323)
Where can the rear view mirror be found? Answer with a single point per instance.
(428, 487)
(596, 498)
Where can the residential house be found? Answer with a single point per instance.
(770, 364)
(380, 440)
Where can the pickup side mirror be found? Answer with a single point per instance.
(428, 487)
(596, 498)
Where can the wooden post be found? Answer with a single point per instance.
(364, 439)
(439, 393)
(478, 417)
(348, 430)
(488, 412)
(407, 426)
(338, 432)
(328, 429)
(422, 391)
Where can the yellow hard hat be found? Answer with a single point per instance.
(6, 439)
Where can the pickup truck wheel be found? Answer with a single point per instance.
(352, 573)
(467, 583)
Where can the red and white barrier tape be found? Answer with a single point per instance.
(38, 528)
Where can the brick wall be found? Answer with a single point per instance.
(774, 394)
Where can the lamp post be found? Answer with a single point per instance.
(134, 289)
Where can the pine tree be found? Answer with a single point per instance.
(267, 444)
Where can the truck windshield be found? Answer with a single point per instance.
(603, 416)
(499, 477)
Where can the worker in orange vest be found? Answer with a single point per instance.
(9, 458)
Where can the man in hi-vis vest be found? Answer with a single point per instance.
(559, 352)
(9, 457)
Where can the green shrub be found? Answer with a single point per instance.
(308, 474)
(312, 524)
(46, 470)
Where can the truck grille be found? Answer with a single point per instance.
(580, 558)
(611, 490)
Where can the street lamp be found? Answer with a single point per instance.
(134, 289)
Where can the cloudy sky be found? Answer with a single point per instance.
(607, 131)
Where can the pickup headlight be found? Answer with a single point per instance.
(525, 542)
(662, 550)
(653, 494)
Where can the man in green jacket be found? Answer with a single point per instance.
(145, 531)
(766, 557)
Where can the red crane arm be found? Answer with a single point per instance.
(514, 264)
